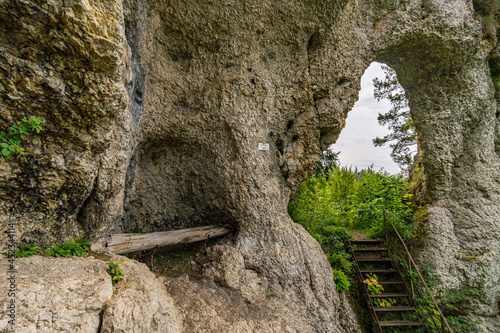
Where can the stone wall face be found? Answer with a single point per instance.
(154, 110)
(76, 295)
(67, 65)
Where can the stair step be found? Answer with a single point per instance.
(367, 241)
(378, 270)
(390, 282)
(371, 249)
(389, 295)
(394, 309)
(400, 323)
(374, 260)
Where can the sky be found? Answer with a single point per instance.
(355, 142)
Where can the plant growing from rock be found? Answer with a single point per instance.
(11, 141)
(78, 247)
(26, 250)
(115, 271)
(341, 280)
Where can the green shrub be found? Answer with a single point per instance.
(340, 259)
(341, 280)
(26, 250)
(350, 199)
(374, 288)
(11, 141)
(78, 247)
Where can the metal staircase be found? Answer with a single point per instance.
(370, 257)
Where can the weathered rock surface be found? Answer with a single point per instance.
(140, 303)
(76, 295)
(57, 294)
(67, 64)
(207, 307)
(153, 112)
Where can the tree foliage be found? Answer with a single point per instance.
(329, 204)
(350, 199)
(403, 137)
(328, 161)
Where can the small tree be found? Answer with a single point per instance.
(328, 161)
(403, 137)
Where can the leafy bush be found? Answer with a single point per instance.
(11, 141)
(335, 241)
(341, 280)
(26, 250)
(78, 247)
(340, 259)
(347, 198)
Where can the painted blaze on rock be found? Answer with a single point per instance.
(154, 111)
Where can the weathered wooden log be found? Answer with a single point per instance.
(124, 243)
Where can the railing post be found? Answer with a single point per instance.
(412, 263)
(385, 229)
(411, 276)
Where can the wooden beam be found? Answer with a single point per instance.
(124, 243)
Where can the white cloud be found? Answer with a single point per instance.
(355, 141)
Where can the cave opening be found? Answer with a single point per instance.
(363, 124)
(368, 165)
(341, 202)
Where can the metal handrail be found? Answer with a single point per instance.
(417, 290)
(387, 218)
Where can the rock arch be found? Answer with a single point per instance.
(441, 61)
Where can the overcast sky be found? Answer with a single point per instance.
(355, 141)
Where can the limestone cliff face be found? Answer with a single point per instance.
(76, 295)
(154, 110)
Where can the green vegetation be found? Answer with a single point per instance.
(78, 247)
(26, 250)
(372, 284)
(347, 199)
(403, 136)
(338, 201)
(374, 288)
(11, 141)
(341, 280)
(447, 304)
(115, 271)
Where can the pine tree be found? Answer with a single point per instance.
(403, 137)
(328, 161)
